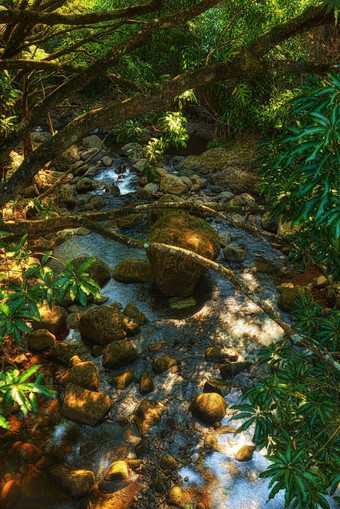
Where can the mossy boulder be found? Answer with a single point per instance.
(164, 363)
(209, 407)
(84, 374)
(133, 270)
(146, 384)
(122, 380)
(287, 299)
(103, 324)
(166, 198)
(99, 271)
(175, 275)
(84, 406)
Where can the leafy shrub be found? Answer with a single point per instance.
(16, 390)
(26, 285)
(301, 173)
(295, 413)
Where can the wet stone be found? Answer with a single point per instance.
(231, 369)
(119, 354)
(234, 254)
(117, 471)
(133, 270)
(146, 384)
(122, 380)
(168, 462)
(142, 447)
(148, 414)
(217, 385)
(103, 324)
(178, 497)
(40, 340)
(84, 406)
(76, 483)
(245, 453)
(84, 374)
(209, 407)
(221, 353)
(131, 311)
(164, 363)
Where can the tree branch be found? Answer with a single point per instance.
(38, 65)
(53, 18)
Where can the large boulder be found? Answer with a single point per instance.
(118, 354)
(133, 270)
(99, 271)
(175, 275)
(103, 324)
(209, 407)
(84, 406)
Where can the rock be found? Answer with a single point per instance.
(73, 321)
(178, 497)
(243, 200)
(97, 202)
(166, 198)
(172, 184)
(106, 161)
(84, 374)
(131, 311)
(67, 194)
(186, 181)
(9, 494)
(271, 225)
(54, 320)
(225, 238)
(231, 369)
(177, 276)
(209, 407)
(142, 447)
(133, 270)
(24, 453)
(76, 483)
(84, 185)
(160, 172)
(190, 164)
(79, 168)
(84, 406)
(119, 354)
(178, 303)
(285, 228)
(158, 483)
(148, 414)
(163, 363)
(217, 385)
(117, 471)
(103, 324)
(287, 299)
(135, 464)
(234, 254)
(140, 165)
(92, 155)
(142, 194)
(146, 384)
(40, 340)
(126, 221)
(226, 196)
(168, 462)
(151, 188)
(122, 380)
(221, 353)
(245, 453)
(130, 148)
(211, 442)
(133, 329)
(99, 271)
(65, 160)
(92, 141)
(83, 231)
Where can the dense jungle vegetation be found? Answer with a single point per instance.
(209, 131)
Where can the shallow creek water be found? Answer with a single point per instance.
(222, 314)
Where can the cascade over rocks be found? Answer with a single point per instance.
(103, 324)
(175, 275)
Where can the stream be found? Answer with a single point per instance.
(212, 477)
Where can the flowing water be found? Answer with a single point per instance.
(222, 314)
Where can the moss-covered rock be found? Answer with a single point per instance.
(125, 222)
(287, 299)
(119, 354)
(131, 311)
(40, 340)
(230, 369)
(166, 198)
(146, 384)
(178, 497)
(175, 275)
(209, 407)
(133, 270)
(163, 363)
(221, 353)
(99, 271)
(86, 407)
(168, 462)
(103, 324)
(84, 374)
